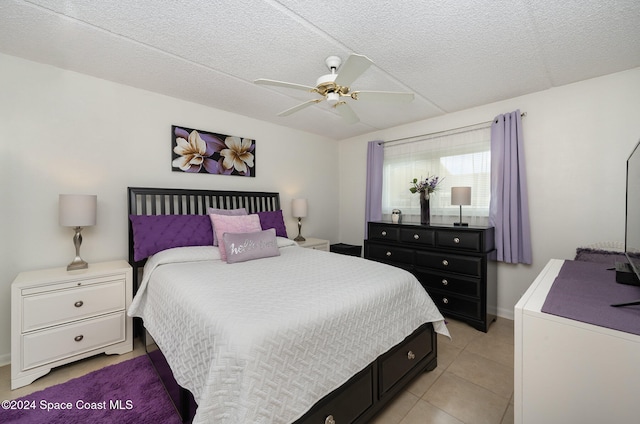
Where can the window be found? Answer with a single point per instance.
(459, 158)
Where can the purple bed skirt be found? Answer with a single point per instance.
(584, 291)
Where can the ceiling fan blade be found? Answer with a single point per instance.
(387, 96)
(355, 65)
(299, 107)
(347, 113)
(263, 81)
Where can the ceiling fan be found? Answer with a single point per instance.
(335, 87)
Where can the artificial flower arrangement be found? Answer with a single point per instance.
(428, 185)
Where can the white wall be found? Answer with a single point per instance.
(63, 132)
(577, 139)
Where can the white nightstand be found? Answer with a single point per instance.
(315, 243)
(60, 316)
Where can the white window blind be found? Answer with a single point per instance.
(459, 157)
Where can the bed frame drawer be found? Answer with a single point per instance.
(407, 355)
(357, 398)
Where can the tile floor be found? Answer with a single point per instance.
(473, 382)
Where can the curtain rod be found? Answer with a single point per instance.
(466, 127)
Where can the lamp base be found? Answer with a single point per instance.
(460, 224)
(299, 238)
(77, 263)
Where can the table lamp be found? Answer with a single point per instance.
(77, 211)
(461, 196)
(299, 207)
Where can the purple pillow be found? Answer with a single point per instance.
(273, 219)
(228, 212)
(153, 233)
(241, 247)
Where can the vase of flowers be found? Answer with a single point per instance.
(424, 188)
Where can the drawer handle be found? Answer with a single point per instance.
(445, 300)
(445, 262)
(388, 253)
(329, 420)
(416, 236)
(445, 282)
(384, 233)
(411, 355)
(78, 304)
(78, 338)
(456, 240)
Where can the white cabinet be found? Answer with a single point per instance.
(568, 371)
(60, 316)
(315, 243)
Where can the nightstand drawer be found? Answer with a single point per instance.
(42, 347)
(454, 284)
(459, 240)
(386, 253)
(469, 265)
(56, 307)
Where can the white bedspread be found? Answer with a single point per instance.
(262, 341)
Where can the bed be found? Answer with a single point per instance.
(298, 335)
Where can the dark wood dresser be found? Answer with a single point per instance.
(454, 264)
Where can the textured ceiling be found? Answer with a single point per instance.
(453, 54)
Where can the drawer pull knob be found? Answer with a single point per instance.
(411, 355)
(388, 253)
(329, 420)
(78, 304)
(78, 338)
(445, 262)
(456, 240)
(445, 300)
(445, 282)
(416, 236)
(384, 233)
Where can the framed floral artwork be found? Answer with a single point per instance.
(204, 152)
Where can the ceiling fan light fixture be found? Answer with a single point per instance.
(333, 98)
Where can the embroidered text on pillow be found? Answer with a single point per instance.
(248, 245)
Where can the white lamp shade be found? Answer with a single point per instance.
(299, 207)
(77, 210)
(460, 195)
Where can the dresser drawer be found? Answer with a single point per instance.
(387, 232)
(42, 347)
(399, 362)
(77, 302)
(448, 282)
(386, 253)
(355, 400)
(448, 303)
(418, 236)
(468, 265)
(459, 240)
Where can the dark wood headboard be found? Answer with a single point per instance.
(177, 201)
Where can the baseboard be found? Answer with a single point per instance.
(506, 313)
(5, 359)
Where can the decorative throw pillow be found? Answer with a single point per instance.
(234, 224)
(231, 212)
(273, 219)
(241, 247)
(153, 233)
